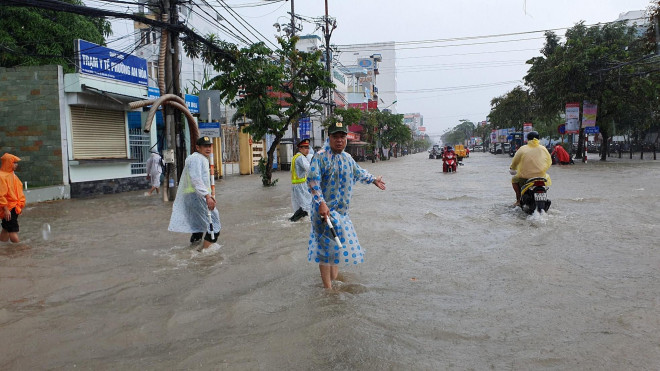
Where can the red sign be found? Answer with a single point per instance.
(364, 106)
(353, 136)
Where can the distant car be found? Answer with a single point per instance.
(477, 148)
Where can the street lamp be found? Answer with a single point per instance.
(389, 105)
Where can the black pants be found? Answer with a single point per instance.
(11, 225)
(198, 236)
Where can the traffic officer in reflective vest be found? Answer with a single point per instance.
(301, 199)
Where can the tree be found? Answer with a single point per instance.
(393, 130)
(272, 88)
(33, 36)
(379, 126)
(604, 64)
(459, 133)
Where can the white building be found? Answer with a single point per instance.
(372, 73)
(637, 18)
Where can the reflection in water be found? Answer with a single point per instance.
(454, 278)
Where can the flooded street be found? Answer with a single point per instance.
(454, 278)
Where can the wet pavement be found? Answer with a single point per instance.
(454, 278)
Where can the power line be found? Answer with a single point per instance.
(461, 38)
(222, 27)
(232, 12)
(56, 5)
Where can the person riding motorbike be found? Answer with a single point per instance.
(530, 161)
(448, 159)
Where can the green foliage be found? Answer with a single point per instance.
(271, 88)
(33, 37)
(261, 167)
(459, 133)
(610, 65)
(379, 126)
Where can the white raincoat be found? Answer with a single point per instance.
(332, 178)
(300, 196)
(189, 212)
(154, 170)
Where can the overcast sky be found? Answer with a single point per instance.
(459, 77)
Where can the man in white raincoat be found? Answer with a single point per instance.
(194, 208)
(301, 199)
(153, 172)
(331, 179)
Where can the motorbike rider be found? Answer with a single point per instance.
(530, 161)
(446, 155)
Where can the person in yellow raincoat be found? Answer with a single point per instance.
(12, 198)
(531, 161)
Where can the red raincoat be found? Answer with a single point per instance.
(562, 155)
(11, 188)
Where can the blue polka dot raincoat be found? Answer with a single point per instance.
(332, 178)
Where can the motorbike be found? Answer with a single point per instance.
(449, 162)
(534, 196)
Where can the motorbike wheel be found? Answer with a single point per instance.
(540, 206)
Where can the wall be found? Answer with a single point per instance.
(30, 122)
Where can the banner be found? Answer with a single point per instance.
(572, 118)
(527, 127)
(98, 60)
(501, 135)
(364, 106)
(493, 136)
(589, 112)
(304, 127)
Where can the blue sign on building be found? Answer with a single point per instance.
(101, 61)
(192, 102)
(153, 93)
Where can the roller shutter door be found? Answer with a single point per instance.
(98, 133)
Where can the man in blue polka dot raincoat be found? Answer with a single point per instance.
(331, 179)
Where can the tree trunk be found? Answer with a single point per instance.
(268, 175)
(605, 150)
(580, 145)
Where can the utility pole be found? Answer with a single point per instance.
(327, 34)
(170, 128)
(176, 90)
(172, 121)
(294, 124)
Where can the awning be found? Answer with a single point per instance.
(115, 97)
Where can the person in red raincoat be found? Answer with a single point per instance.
(561, 156)
(12, 198)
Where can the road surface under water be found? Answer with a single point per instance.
(454, 278)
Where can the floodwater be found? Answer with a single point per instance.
(453, 279)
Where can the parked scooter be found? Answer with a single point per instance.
(449, 163)
(534, 195)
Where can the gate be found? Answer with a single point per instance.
(230, 150)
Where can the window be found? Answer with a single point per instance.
(152, 70)
(147, 36)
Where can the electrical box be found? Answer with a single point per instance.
(168, 156)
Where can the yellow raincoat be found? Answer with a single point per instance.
(11, 188)
(531, 161)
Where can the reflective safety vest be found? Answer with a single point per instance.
(294, 176)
